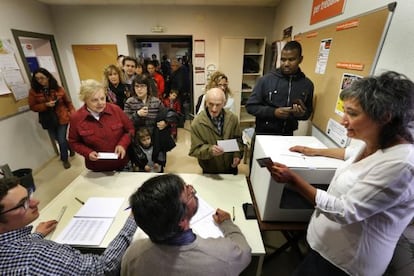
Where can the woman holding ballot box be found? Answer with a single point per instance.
(100, 131)
(370, 201)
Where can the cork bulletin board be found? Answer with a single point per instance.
(349, 47)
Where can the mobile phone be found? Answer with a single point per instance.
(249, 212)
(299, 102)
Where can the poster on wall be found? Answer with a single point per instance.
(199, 46)
(323, 55)
(33, 63)
(347, 80)
(48, 63)
(287, 33)
(28, 50)
(324, 9)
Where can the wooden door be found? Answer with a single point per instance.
(92, 59)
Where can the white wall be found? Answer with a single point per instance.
(23, 143)
(111, 24)
(397, 53)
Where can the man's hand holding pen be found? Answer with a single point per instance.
(221, 216)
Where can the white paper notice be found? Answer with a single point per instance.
(20, 91)
(107, 155)
(91, 223)
(229, 145)
(4, 89)
(47, 62)
(85, 231)
(100, 207)
(8, 62)
(13, 76)
(203, 223)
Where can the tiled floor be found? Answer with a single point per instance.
(53, 178)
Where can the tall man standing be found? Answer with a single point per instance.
(211, 125)
(157, 78)
(283, 96)
(129, 65)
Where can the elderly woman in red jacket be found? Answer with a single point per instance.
(99, 128)
(46, 94)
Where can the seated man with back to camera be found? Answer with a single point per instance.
(213, 124)
(173, 248)
(25, 253)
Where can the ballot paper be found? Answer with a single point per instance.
(229, 145)
(203, 223)
(107, 155)
(90, 224)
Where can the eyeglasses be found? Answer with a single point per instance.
(23, 204)
(190, 192)
(40, 78)
(140, 86)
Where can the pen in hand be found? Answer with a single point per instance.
(62, 211)
(80, 201)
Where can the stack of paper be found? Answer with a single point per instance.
(203, 223)
(90, 224)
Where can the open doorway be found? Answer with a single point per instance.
(144, 47)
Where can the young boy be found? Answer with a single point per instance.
(172, 102)
(144, 156)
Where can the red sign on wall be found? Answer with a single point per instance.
(323, 9)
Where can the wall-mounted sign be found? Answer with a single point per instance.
(324, 9)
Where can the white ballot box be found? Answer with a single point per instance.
(277, 201)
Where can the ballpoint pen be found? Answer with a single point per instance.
(234, 216)
(80, 201)
(62, 211)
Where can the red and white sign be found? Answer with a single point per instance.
(350, 66)
(323, 9)
(348, 25)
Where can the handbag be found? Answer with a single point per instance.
(48, 119)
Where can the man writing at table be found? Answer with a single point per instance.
(26, 253)
(163, 207)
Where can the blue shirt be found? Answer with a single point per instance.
(26, 253)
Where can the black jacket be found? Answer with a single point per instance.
(275, 90)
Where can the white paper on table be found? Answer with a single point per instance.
(100, 207)
(229, 145)
(107, 155)
(85, 231)
(20, 91)
(203, 223)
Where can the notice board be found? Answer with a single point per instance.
(352, 48)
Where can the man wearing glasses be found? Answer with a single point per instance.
(163, 207)
(25, 253)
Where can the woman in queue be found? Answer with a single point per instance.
(117, 91)
(220, 80)
(370, 201)
(147, 111)
(46, 94)
(99, 128)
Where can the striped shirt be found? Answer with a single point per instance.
(26, 253)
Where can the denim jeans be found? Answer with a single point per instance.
(59, 134)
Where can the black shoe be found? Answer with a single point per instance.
(71, 153)
(66, 164)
